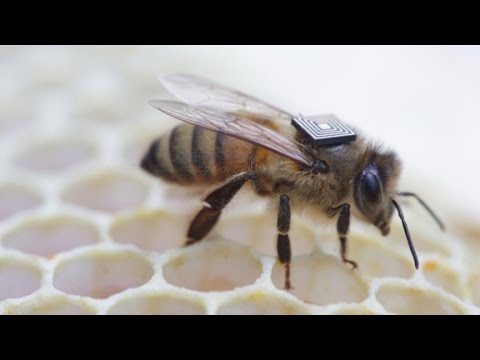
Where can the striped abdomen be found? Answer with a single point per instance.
(192, 155)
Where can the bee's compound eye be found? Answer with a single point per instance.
(371, 185)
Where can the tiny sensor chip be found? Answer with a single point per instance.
(324, 129)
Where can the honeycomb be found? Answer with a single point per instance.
(84, 231)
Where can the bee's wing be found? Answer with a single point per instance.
(234, 125)
(199, 92)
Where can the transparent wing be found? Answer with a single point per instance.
(199, 92)
(234, 125)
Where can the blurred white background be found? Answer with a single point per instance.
(423, 101)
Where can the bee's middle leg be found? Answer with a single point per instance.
(283, 241)
(343, 225)
(213, 204)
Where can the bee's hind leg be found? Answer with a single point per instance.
(283, 241)
(213, 204)
(343, 225)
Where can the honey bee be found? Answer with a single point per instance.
(319, 164)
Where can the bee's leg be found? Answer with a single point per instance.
(213, 205)
(283, 241)
(343, 226)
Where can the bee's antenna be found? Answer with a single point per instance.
(430, 211)
(407, 233)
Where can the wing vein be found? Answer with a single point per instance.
(234, 125)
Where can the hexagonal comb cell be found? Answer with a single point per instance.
(154, 231)
(55, 306)
(18, 279)
(16, 198)
(111, 191)
(259, 231)
(415, 301)
(49, 236)
(376, 259)
(376, 256)
(213, 266)
(261, 303)
(98, 94)
(423, 239)
(158, 305)
(54, 156)
(100, 274)
(442, 276)
(322, 280)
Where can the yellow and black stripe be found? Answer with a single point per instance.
(193, 155)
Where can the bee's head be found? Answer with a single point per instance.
(375, 187)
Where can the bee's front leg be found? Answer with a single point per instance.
(283, 241)
(343, 225)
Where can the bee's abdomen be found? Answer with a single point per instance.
(192, 155)
(156, 161)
